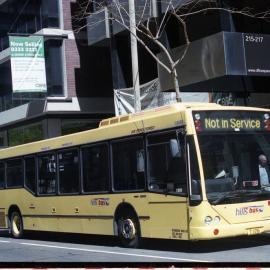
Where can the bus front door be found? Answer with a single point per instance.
(167, 183)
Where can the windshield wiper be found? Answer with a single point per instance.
(235, 194)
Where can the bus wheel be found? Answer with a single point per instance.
(16, 224)
(129, 231)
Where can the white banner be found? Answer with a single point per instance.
(151, 97)
(27, 64)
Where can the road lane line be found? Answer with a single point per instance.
(113, 252)
(4, 241)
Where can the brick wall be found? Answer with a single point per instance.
(67, 13)
(71, 50)
(72, 62)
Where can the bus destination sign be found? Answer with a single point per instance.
(215, 121)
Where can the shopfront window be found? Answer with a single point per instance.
(25, 134)
(76, 125)
(3, 139)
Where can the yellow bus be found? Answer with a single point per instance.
(187, 171)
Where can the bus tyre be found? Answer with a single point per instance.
(16, 224)
(129, 231)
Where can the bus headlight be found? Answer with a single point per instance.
(208, 220)
(216, 219)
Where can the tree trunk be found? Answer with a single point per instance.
(176, 85)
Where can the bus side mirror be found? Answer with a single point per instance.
(175, 148)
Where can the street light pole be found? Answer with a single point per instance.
(134, 56)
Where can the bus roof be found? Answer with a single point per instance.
(154, 112)
(120, 126)
(183, 106)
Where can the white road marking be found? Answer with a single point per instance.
(112, 252)
(3, 241)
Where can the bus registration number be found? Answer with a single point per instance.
(252, 231)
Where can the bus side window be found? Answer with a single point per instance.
(95, 168)
(30, 173)
(2, 175)
(128, 164)
(47, 174)
(14, 172)
(166, 163)
(69, 177)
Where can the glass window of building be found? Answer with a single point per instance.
(53, 61)
(27, 17)
(50, 13)
(25, 134)
(75, 125)
(3, 139)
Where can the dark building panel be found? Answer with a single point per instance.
(93, 77)
(222, 62)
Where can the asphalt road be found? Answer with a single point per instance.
(77, 249)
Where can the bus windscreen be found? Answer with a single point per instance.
(235, 152)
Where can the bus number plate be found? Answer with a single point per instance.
(252, 231)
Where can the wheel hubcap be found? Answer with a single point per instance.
(128, 229)
(16, 224)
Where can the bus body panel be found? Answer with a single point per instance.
(230, 224)
(168, 217)
(160, 215)
(244, 212)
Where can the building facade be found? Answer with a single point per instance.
(72, 101)
(219, 58)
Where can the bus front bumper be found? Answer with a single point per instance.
(229, 230)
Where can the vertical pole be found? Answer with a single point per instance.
(134, 57)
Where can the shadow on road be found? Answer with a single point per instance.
(158, 245)
(208, 246)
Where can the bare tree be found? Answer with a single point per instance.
(150, 26)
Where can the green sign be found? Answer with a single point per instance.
(28, 64)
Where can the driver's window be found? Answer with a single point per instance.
(166, 163)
